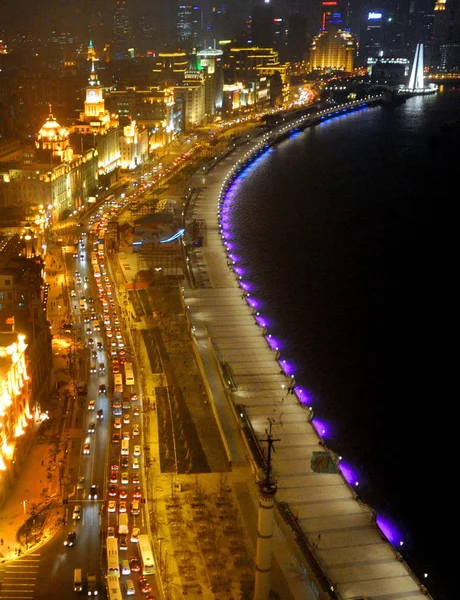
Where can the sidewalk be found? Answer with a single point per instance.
(33, 511)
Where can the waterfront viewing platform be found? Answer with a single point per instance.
(345, 552)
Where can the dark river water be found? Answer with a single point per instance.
(346, 232)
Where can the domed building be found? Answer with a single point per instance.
(49, 174)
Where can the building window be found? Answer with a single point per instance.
(7, 281)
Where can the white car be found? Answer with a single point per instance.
(92, 405)
(124, 478)
(112, 507)
(137, 450)
(117, 423)
(136, 430)
(135, 463)
(86, 448)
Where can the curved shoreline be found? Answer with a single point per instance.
(346, 534)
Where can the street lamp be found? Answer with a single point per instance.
(24, 505)
(159, 553)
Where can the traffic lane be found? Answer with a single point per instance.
(57, 562)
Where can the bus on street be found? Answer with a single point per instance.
(146, 555)
(113, 587)
(129, 375)
(113, 563)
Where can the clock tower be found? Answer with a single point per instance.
(94, 103)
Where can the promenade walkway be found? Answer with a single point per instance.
(337, 532)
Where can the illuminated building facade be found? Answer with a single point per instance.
(210, 62)
(48, 174)
(16, 416)
(333, 51)
(134, 146)
(152, 108)
(169, 67)
(97, 127)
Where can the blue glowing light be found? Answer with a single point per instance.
(176, 236)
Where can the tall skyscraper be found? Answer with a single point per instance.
(189, 25)
(262, 25)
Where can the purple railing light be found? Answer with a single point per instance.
(350, 474)
(240, 271)
(247, 287)
(303, 395)
(253, 303)
(261, 321)
(230, 246)
(389, 530)
(321, 427)
(287, 367)
(273, 342)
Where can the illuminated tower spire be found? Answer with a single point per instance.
(416, 76)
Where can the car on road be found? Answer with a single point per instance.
(135, 478)
(112, 507)
(90, 342)
(91, 404)
(124, 463)
(136, 410)
(93, 492)
(136, 430)
(110, 531)
(135, 464)
(81, 483)
(116, 437)
(126, 418)
(122, 493)
(126, 435)
(71, 538)
(137, 450)
(101, 368)
(93, 354)
(76, 515)
(93, 368)
(102, 389)
(117, 423)
(114, 466)
(91, 428)
(133, 397)
(135, 534)
(144, 585)
(100, 414)
(112, 490)
(123, 542)
(122, 507)
(137, 494)
(124, 478)
(100, 346)
(113, 476)
(86, 448)
(134, 564)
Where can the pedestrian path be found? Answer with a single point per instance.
(32, 512)
(343, 547)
